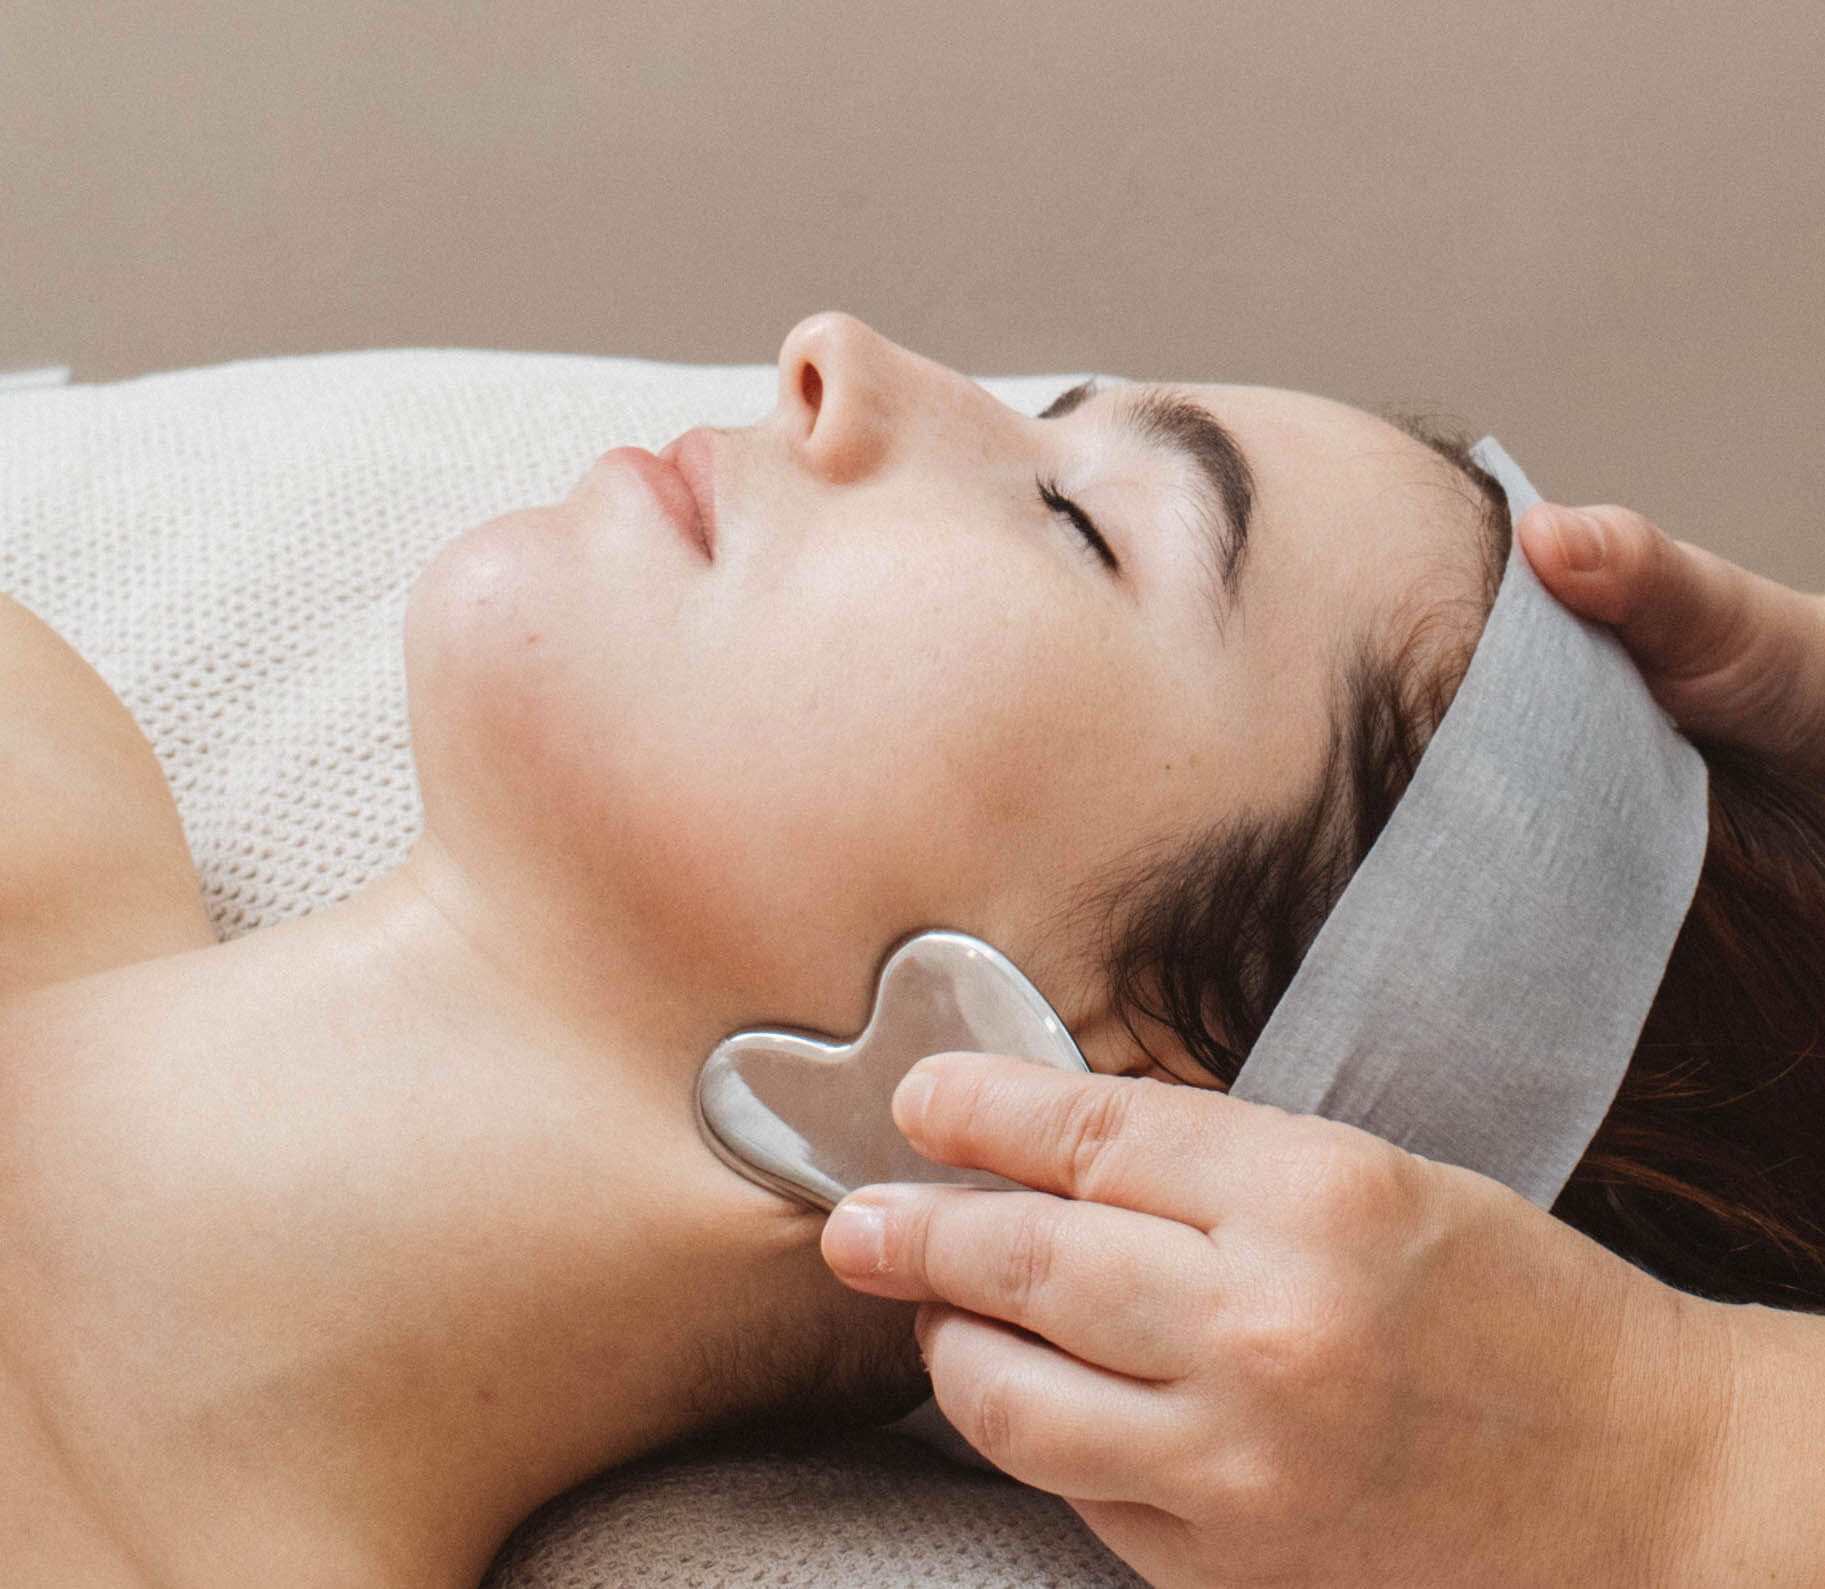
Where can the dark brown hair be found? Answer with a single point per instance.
(1709, 1170)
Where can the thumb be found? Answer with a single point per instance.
(1731, 655)
(1679, 610)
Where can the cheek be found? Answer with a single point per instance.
(855, 769)
(909, 757)
(763, 780)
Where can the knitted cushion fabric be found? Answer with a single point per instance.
(231, 548)
(870, 1512)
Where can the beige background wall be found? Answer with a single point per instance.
(1596, 230)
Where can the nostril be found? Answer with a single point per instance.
(811, 386)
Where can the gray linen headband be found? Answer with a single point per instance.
(1477, 992)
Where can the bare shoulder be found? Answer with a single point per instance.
(94, 869)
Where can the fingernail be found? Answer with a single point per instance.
(1580, 540)
(855, 1238)
(909, 1101)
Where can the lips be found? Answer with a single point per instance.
(692, 458)
(684, 496)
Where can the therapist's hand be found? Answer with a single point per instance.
(1256, 1348)
(1732, 656)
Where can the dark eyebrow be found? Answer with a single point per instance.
(1227, 495)
(1066, 401)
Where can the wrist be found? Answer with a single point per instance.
(1757, 1516)
(1677, 1427)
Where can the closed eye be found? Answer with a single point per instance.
(1057, 502)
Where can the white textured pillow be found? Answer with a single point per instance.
(231, 549)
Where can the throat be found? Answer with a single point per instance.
(320, 1245)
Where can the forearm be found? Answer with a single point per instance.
(1766, 1523)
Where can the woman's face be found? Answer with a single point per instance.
(901, 686)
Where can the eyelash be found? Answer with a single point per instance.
(1057, 502)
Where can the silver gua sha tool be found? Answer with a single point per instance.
(810, 1118)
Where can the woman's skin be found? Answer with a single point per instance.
(1253, 1347)
(331, 1252)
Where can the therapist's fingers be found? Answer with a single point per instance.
(1175, 1151)
(1050, 1421)
(1731, 655)
(1121, 1290)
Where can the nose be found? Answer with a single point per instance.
(842, 389)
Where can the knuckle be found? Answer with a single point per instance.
(957, 1107)
(1352, 1179)
(1033, 1437)
(1026, 1263)
(1296, 1345)
(986, 1419)
(1262, 1495)
(1093, 1122)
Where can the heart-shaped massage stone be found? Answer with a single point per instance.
(812, 1119)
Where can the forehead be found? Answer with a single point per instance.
(1358, 530)
(1310, 449)
(1353, 520)
(1357, 533)
(1306, 454)
(1342, 487)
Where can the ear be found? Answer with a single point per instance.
(1139, 1046)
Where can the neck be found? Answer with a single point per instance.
(416, 1238)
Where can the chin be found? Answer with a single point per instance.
(485, 580)
(482, 626)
